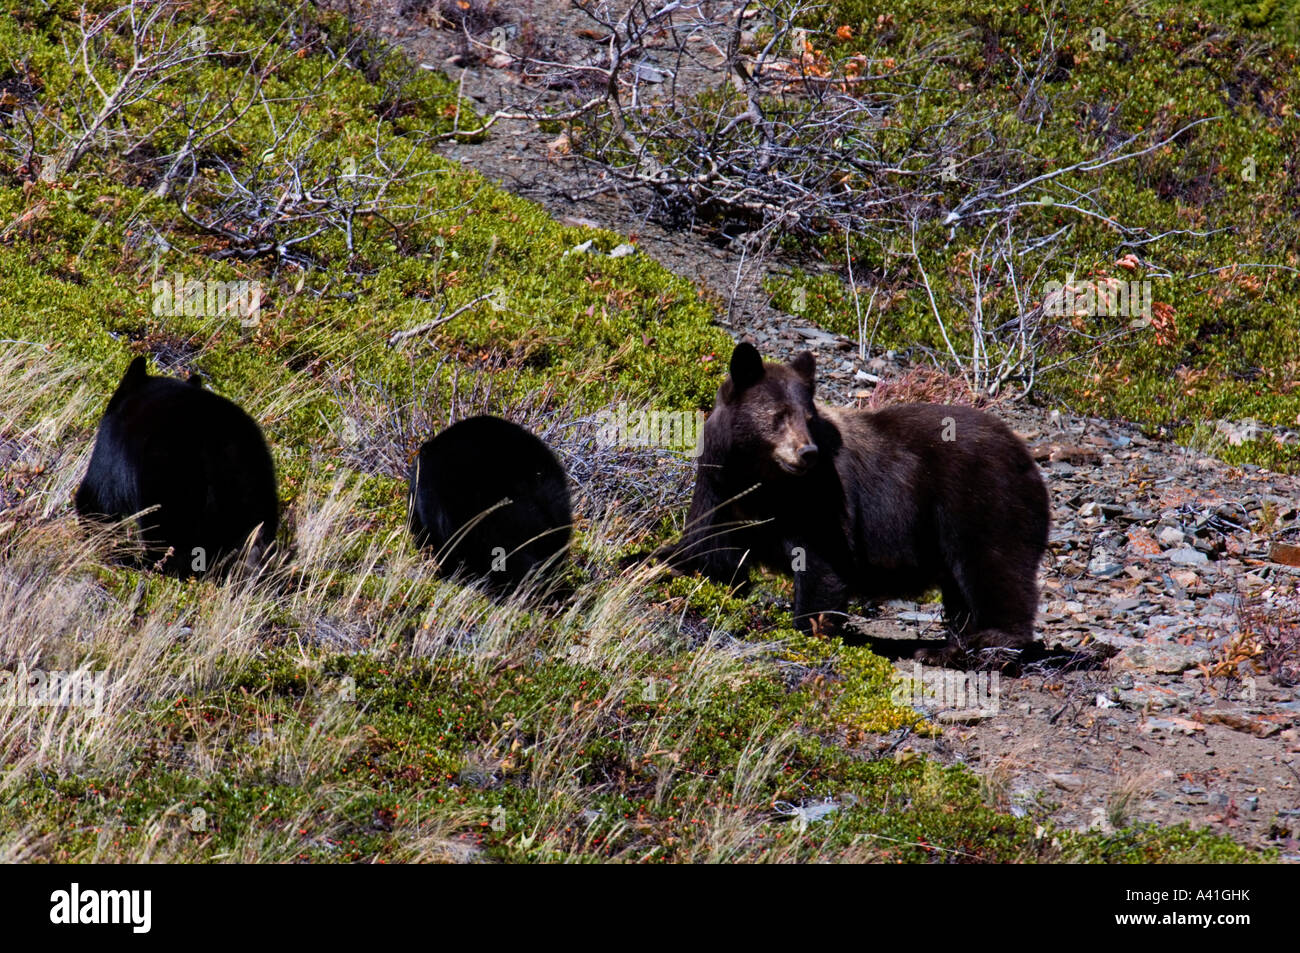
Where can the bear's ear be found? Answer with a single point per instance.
(746, 367)
(195, 379)
(805, 365)
(137, 372)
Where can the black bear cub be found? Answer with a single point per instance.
(881, 504)
(196, 458)
(490, 499)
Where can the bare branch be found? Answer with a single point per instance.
(399, 336)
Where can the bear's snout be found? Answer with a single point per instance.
(797, 457)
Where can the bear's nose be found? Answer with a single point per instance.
(808, 454)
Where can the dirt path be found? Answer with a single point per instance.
(1158, 553)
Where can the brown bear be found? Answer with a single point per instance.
(882, 504)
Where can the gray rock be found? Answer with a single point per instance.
(1186, 556)
(1167, 657)
(1123, 606)
(648, 73)
(1066, 782)
(1145, 697)
(1164, 724)
(920, 616)
(1170, 537)
(1116, 641)
(816, 336)
(1104, 566)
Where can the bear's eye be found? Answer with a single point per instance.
(779, 416)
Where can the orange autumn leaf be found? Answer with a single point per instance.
(845, 32)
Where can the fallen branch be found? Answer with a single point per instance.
(437, 322)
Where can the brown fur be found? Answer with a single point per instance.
(876, 504)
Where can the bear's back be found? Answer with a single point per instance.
(195, 456)
(478, 461)
(468, 470)
(948, 465)
(931, 429)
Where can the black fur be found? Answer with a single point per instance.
(872, 504)
(467, 470)
(194, 455)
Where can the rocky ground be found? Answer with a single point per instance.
(1183, 569)
(1179, 564)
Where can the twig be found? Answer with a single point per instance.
(442, 319)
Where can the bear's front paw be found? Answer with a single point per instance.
(976, 656)
(823, 625)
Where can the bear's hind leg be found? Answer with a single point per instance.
(956, 610)
(987, 608)
(1004, 606)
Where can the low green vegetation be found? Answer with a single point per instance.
(1212, 215)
